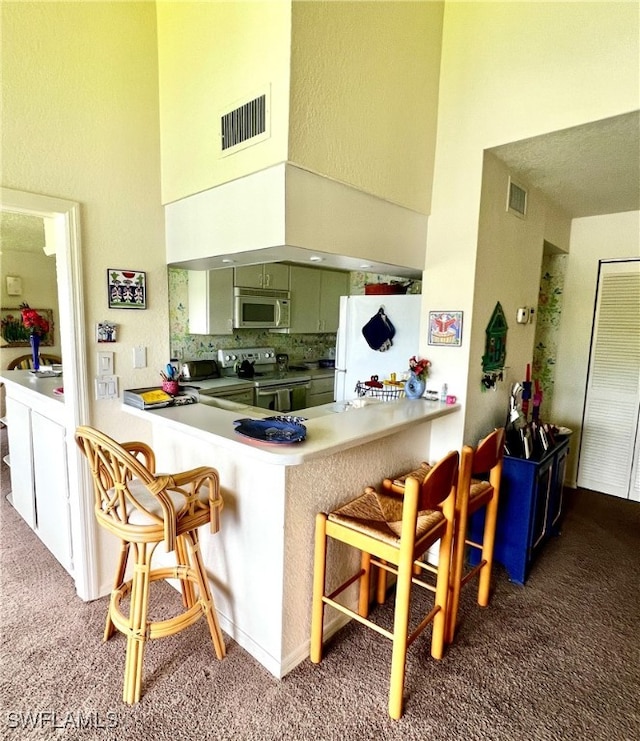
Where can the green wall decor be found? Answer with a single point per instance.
(495, 348)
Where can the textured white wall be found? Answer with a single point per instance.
(592, 239)
(507, 73)
(364, 95)
(39, 290)
(212, 56)
(80, 122)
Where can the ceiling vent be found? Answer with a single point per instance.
(517, 200)
(246, 124)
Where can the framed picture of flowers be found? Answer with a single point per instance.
(127, 289)
(16, 334)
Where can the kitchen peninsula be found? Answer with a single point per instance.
(260, 564)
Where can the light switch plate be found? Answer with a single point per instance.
(106, 387)
(105, 363)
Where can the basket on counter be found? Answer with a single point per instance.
(386, 393)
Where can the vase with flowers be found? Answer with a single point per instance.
(417, 381)
(38, 326)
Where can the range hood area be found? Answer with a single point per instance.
(285, 213)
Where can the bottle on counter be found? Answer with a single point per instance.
(443, 393)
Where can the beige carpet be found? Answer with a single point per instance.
(557, 659)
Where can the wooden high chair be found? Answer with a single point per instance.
(143, 509)
(391, 532)
(478, 487)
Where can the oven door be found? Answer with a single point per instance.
(289, 398)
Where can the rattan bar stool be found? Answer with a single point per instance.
(391, 533)
(143, 509)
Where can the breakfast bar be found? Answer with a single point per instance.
(260, 564)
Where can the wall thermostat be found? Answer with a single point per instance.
(522, 316)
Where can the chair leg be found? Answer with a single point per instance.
(137, 630)
(488, 541)
(455, 578)
(440, 621)
(110, 628)
(400, 631)
(381, 586)
(186, 586)
(319, 575)
(365, 584)
(205, 596)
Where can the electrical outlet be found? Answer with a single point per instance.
(140, 356)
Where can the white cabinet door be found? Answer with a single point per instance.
(333, 284)
(273, 275)
(276, 275)
(210, 295)
(321, 391)
(22, 484)
(305, 300)
(315, 299)
(52, 487)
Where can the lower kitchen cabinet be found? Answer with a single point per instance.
(530, 509)
(39, 477)
(321, 391)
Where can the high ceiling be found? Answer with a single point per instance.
(586, 170)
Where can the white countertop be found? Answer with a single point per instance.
(330, 429)
(37, 393)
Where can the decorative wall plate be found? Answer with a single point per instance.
(271, 430)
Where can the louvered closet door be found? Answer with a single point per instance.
(610, 437)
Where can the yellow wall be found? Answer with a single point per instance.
(364, 95)
(510, 71)
(80, 122)
(39, 290)
(212, 56)
(361, 80)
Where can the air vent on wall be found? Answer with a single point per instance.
(517, 199)
(245, 124)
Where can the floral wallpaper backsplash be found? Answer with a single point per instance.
(547, 325)
(299, 347)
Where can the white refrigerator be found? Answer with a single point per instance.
(355, 359)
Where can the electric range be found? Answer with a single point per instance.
(273, 389)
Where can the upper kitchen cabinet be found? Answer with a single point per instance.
(210, 295)
(315, 299)
(273, 275)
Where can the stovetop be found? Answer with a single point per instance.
(263, 359)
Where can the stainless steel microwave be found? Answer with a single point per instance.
(260, 308)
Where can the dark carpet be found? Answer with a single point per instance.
(556, 659)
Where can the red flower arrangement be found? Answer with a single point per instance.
(419, 366)
(34, 322)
